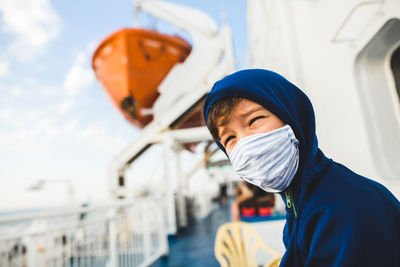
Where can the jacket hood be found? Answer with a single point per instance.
(285, 100)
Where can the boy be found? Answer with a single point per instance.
(335, 217)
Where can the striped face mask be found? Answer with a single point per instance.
(268, 160)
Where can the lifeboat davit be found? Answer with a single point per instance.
(131, 64)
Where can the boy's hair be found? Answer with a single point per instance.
(220, 113)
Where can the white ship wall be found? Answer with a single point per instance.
(317, 45)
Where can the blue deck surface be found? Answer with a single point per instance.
(194, 245)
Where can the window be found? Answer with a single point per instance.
(376, 66)
(395, 65)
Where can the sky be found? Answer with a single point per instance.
(56, 121)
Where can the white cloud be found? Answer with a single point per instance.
(16, 91)
(6, 114)
(34, 130)
(66, 106)
(34, 115)
(80, 75)
(69, 126)
(19, 135)
(34, 23)
(92, 45)
(42, 126)
(4, 69)
(99, 138)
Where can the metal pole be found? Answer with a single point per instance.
(169, 189)
(181, 190)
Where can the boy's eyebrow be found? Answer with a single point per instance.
(244, 114)
(247, 113)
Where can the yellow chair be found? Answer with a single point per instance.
(237, 244)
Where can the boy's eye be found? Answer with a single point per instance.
(228, 139)
(255, 119)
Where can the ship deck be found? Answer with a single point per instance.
(194, 245)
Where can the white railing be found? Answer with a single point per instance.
(118, 234)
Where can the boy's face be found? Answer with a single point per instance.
(247, 118)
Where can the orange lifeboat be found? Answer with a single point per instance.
(131, 63)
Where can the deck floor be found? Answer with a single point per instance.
(194, 245)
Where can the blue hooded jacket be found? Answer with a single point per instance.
(335, 217)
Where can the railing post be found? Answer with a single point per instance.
(162, 231)
(112, 231)
(31, 251)
(146, 232)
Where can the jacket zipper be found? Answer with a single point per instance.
(290, 202)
